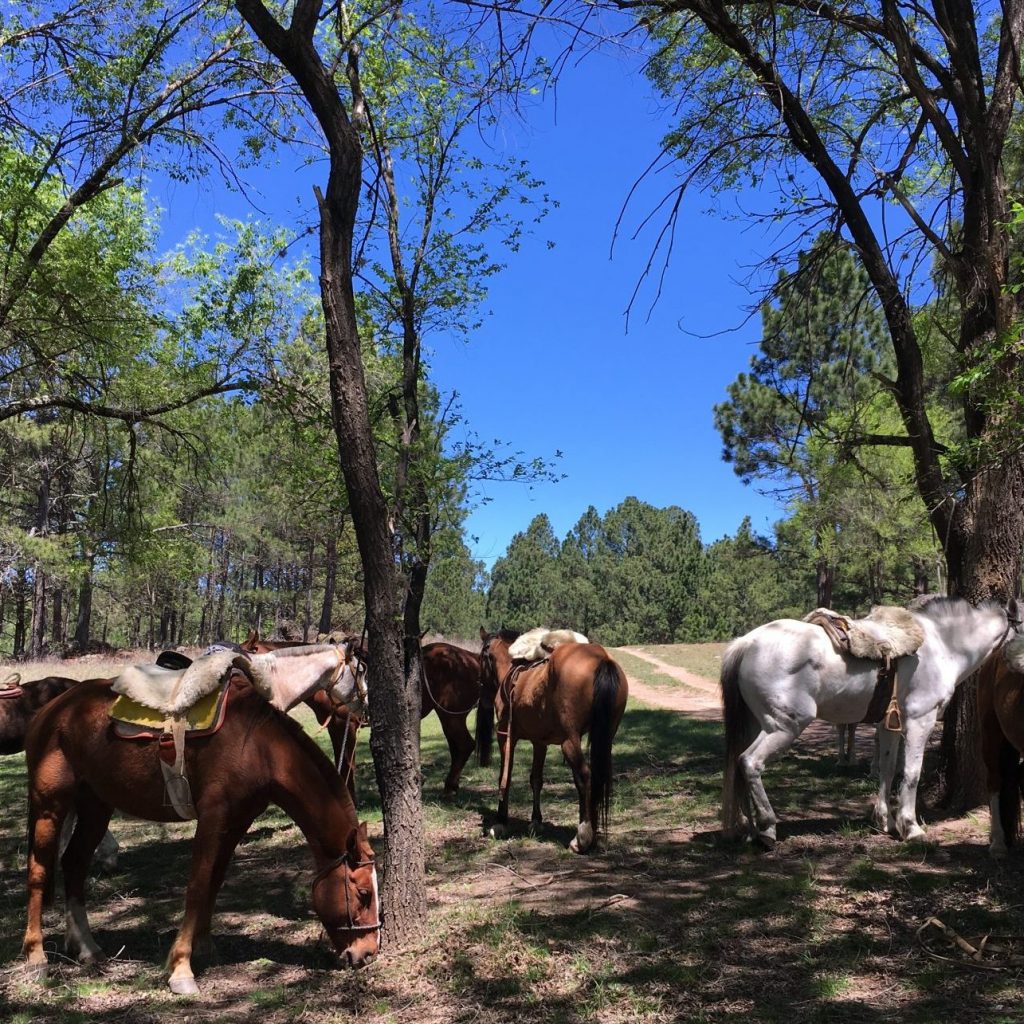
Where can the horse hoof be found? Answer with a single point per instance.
(584, 838)
(914, 832)
(183, 986)
(766, 840)
(449, 794)
(498, 831)
(536, 827)
(998, 852)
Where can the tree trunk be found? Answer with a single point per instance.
(394, 713)
(825, 579)
(37, 646)
(19, 616)
(989, 534)
(330, 582)
(57, 618)
(82, 623)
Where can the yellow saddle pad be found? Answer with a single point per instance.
(202, 715)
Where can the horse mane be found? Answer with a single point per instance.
(939, 606)
(301, 652)
(508, 635)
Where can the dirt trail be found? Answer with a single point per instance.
(702, 700)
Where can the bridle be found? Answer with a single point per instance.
(346, 653)
(343, 861)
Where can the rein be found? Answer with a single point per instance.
(438, 706)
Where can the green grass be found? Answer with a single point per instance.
(666, 923)
(701, 659)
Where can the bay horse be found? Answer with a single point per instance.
(450, 687)
(1001, 722)
(781, 676)
(579, 689)
(259, 756)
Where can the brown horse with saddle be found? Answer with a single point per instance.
(577, 689)
(246, 755)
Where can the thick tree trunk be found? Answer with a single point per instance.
(394, 712)
(19, 616)
(84, 620)
(37, 645)
(989, 538)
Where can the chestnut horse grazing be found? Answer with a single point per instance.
(258, 756)
(579, 689)
(1001, 720)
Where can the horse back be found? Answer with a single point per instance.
(452, 677)
(576, 673)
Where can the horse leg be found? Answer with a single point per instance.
(765, 748)
(508, 748)
(916, 736)
(460, 746)
(572, 751)
(217, 835)
(888, 744)
(540, 752)
(91, 819)
(50, 795)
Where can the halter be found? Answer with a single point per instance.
(351, 926)
(345, 652)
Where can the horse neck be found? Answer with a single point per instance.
(294, 680)
(313, 796)
(968, 641)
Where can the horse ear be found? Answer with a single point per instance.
(483, 634)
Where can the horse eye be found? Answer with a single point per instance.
(364, 896)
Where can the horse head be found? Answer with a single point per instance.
(346, 899)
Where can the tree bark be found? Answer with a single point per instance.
(394, 713)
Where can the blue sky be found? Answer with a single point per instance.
(553, 367)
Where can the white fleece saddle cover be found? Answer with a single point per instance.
(538, 643)
(1013, 652)
(888, 632)
(173, 691)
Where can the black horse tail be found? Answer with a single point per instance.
(740, 730)
(1010, 780)
(603, 724)
(484, 726)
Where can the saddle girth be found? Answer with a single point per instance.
(134, 721)
(884, 708)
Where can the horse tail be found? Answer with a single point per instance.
(484, 726)
(1010, 781)
(740, 729)
(603, 723)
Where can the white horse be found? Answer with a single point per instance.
(781, 676)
